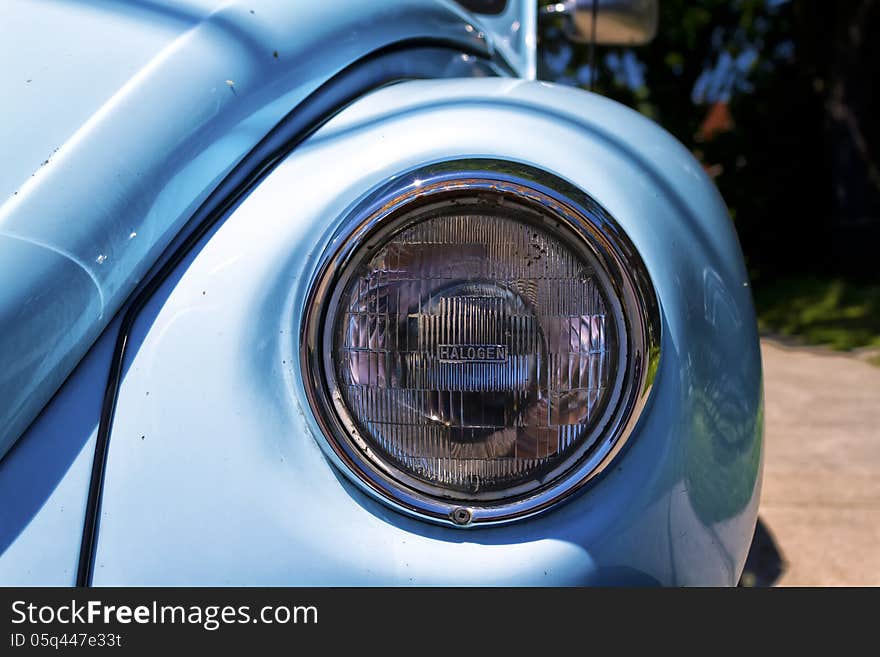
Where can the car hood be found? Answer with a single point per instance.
(118, 119)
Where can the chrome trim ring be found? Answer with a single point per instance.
(574, 214)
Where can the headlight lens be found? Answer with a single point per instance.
(471, 346)
(474, 351)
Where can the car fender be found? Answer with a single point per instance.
(217, 472)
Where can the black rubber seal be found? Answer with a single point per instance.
(406, 60)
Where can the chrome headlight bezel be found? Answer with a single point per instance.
(574, 214)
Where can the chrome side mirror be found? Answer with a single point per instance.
(609, 22)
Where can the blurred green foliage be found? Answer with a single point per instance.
(776, 99)
(833, 312)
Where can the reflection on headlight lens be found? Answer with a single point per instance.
(475, 351)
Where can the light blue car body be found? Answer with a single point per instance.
(123, 117)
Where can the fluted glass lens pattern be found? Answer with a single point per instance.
(474, 352)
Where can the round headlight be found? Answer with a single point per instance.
(476, 344)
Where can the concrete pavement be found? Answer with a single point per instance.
(821, 494)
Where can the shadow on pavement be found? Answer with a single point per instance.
(764, 565)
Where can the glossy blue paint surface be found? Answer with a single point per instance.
(217, 472)
(514, 33)
(119, 118)
(45, 476)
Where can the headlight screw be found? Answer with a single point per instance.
(461, 516)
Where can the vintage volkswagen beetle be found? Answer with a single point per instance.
(294, 295)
